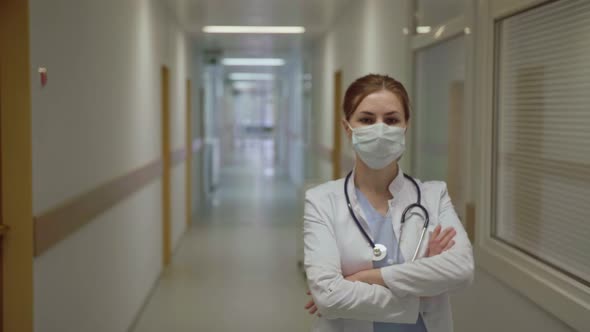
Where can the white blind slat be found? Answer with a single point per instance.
(542, 16)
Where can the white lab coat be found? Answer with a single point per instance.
(335, 248)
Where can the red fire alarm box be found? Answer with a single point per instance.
(43, 74)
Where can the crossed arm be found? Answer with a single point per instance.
(392, 293)
(439, 242)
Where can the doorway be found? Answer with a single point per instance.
(439, 117)
(166, 165)
(337, 150)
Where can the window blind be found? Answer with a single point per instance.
(542, 135)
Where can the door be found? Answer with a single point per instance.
(189, 155)
(337, 150)
(16, 221)
(439, 118)
(456, 137)
(3, 228)
(202, 168)
(166, 165)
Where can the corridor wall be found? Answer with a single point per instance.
(367, 37)
(98, 119)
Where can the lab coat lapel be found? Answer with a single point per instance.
(409, 233)
(397, 188)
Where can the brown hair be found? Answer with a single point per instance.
(372, 83)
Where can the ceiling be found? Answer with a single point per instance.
(315, 15)
(435, 12)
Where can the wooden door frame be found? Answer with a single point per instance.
(16, 168)
(337, 139)
(3, 228)
(166, 165)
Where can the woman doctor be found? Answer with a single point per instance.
(367, 269)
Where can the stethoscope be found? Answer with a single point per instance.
(379, 250)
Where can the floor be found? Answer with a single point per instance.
(236, 268)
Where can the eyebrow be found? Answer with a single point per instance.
(388, 113)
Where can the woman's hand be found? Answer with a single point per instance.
(440, 241)
(311, 307)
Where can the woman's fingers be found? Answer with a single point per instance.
(313, 310)
(448, 236)
(311, 307)
(444, 238)
(439, 240)
(432, 245)
(449, 245)
(436, 232)
(444, 233)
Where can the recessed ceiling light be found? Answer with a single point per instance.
(252, 29)
(244, 85)
(253, 62)
(423, 29)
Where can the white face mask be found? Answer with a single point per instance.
(378, 145)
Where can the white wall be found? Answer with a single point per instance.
(99, 118)
(367, 37)
(197, 119)
(293, 116)
(178, 60)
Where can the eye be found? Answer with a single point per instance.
(365, 120)
(391, 121)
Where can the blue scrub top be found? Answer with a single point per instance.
(382, 232)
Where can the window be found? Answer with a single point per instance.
(541, 193)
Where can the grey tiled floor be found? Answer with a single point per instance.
(236, 269)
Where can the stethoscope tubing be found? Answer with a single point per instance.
(416, 205)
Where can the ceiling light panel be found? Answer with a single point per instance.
(251, 77)
(253, 29)
(253, 62)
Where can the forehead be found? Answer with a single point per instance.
(380, 101)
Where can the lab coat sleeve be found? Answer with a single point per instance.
(336, 297)
(448, 271)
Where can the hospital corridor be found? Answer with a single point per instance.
(237, 270)
(294, 165)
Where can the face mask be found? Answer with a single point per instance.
(379, 145)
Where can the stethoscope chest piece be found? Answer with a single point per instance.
(379, 252)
